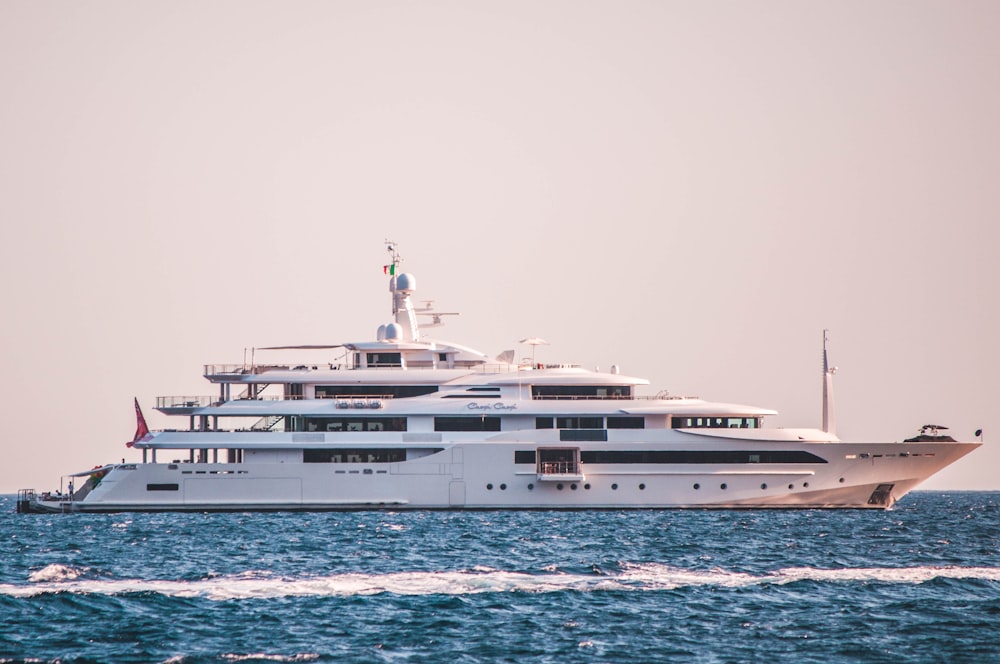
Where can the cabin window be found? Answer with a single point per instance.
(385, 359)
(524, 456)
(581, 391)
(626, 423)
(579, 422)
(698, 456)
(467, 423)
(378, 391)
(476, 393)
(543, 422)
(583, 435)
(355, 424)
(163, 487)
(354, 456)
(690, 422)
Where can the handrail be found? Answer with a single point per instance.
(256, 369)
(218, 369)
(353, 396)
(559, 468)
(185, 401)
(580, 397)
(203, 401)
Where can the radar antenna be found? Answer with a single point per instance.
(828, 371)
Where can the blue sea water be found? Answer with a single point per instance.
(918, 583)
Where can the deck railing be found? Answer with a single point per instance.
(203, 401)
(558, 468)
(185, 401)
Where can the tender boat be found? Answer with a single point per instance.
(411, 422)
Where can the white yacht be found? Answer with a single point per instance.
(411, 422)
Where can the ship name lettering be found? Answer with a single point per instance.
(493, 406)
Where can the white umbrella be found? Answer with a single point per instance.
(534, 341)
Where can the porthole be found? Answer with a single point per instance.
(559, 486)
(489, 487)
(791, 486)
(841, 480)
(614, 487)
(805, 485)
(587, 486)
(763, 486)
(642, 487)
(696, 486)
(573, 486)
(503, 487)
(723, 486)
(531, 487)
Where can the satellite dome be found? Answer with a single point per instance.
(380, 335)
(406, 283)
(393, 331)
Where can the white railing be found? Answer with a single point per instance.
(205, 401)
(185, 401)
(558, 468)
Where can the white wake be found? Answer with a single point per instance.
(632, 577)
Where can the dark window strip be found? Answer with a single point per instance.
(583, 435)
(486, 423)
(626, 422)
(683, 456)
(365, 455)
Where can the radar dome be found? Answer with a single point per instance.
(393, 331)
(406, 283)
(380, 335)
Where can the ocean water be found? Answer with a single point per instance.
(918, 583)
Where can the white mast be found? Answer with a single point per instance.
(829, 425)
(401, 286)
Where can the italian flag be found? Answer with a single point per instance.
(389, 269)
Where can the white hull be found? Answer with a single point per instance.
(483, 476)
(409, 422)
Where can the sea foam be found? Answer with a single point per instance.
(632, 577)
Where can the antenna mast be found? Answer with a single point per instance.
(829, 425)
(390, 270)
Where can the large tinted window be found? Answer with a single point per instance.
(394, 391)
(699, 456)
(385, 359)
(355, 424)
(581, 391)
(524, 456)
(683, 456)
(344, 455)
(626, 423)
(467, 424)
(686, 422)
(543, 422)
(579, 422)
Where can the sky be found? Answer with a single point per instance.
(693, 191)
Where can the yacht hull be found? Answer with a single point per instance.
(483, 475)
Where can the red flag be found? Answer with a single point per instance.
(141, 430)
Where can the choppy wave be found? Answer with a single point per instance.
(56, 573)
(919, 584)
(58, 578)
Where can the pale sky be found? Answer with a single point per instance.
(690, 190)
